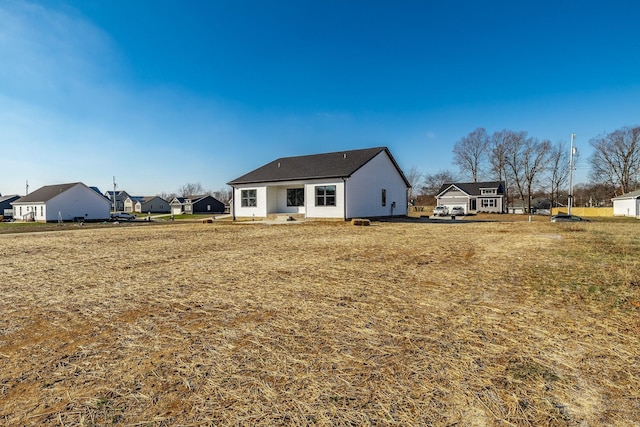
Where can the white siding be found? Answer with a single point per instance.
(130, 205)
(314, 211)
(272, 200)
(626, 207)
(364, 194)
(78, 201)
(258, 211)
(32, 211)
(364, 189)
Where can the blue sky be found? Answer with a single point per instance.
(163, 93)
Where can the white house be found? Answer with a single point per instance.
(65, 202)
(346, 184)
(473, 196)
(627, 204)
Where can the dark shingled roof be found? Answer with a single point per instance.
(340, 164)
(46, 193)
(473, 188)
(11, 197)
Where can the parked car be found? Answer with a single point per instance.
(122, 216)
(457, 210)
(440, 211)
(567, 218)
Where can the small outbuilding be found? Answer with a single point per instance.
(627, 205)
(63, 202)
(363, 183)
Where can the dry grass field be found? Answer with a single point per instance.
(405, 324)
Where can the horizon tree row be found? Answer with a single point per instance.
(531, 167)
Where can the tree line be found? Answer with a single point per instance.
(196, 189)
(531, 167)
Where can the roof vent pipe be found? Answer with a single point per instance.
(344, 156)
(278, 164)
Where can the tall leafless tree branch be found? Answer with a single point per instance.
(616, 158)
(470, 153)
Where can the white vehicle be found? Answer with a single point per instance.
(440, 211)
(122, 216)
(457, 210)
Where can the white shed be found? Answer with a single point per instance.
(627, 204)
(346, 184)
(63, 202)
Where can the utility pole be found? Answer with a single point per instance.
(573, 151)
(114, 193)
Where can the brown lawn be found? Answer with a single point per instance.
(412, 324)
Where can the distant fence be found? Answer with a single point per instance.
(584, 211)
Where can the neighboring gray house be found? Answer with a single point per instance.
(5, 205)
(64, 202)
(203, 204)
(473, 197)
(153, 204)
(362, 183)
(627, 205)
(117, 205)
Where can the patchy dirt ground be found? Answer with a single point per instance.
(322, 323)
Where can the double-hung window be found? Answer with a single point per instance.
(248, 198)
(488, 203)
(326, 195)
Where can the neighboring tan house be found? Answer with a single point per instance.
(363, 183)
(473, 197)
(627, 205)
(117, 205)
(196, 205)
(153, 204)
(5, 205)
(64, 202)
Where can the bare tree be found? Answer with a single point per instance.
(190, 189)
(498, 155)
(558, 170)
(433, 182)
(594, 194)
(510, 143)
(223, 194)
(536, 158)
(616, 158)
(526, 160)
(413, 177)
(470, 153)
(167, 196)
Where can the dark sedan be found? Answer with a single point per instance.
(567, 218)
